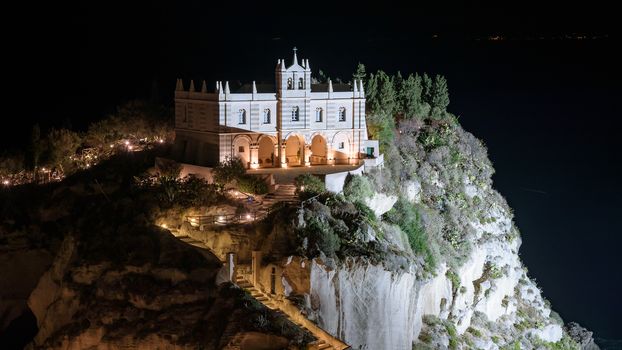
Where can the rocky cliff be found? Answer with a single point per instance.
(86, 259)
(437, 264)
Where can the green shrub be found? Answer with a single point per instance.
(229, 169)
(453, 335)
(252, 184)
(405, 215)
(308, 185)
(320, 235)
(357, 188)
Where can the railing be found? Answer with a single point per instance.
(223, 219)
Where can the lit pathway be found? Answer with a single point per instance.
(287, 309)
(285, 193)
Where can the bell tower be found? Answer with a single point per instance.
(290, 80)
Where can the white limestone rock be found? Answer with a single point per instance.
(381, 203)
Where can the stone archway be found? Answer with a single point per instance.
(294, 150)
(242, 149)
(319, 149)
(341, 148)
(266, 156)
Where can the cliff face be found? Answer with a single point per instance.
(100, 274)
(464, 286)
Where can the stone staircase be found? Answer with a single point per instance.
(284, 193)
(319, 344)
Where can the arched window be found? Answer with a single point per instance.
(290, 84)
(242, 116)
(319, 114)
(342, 114)
(301, 84)
(295, 114)
(266, 116)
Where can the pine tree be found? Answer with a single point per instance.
(387, 96)
(371, 92)
(381, 101)
(360, 73)
(427, 89)
(411, 96)
(440, 94)
(398, 86)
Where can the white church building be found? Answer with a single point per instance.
(294, 123)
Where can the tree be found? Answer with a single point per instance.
(411, 96)
(61, 145)
(228, 170)
(427, 89)
(360, 73)
(323, 77)
(371, 91)
(440, 94)
(382, 99)
(398, 85)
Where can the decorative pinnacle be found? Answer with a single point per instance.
(295, 57)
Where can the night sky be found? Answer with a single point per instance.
(548, 109)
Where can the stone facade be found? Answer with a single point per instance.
(295, 123)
